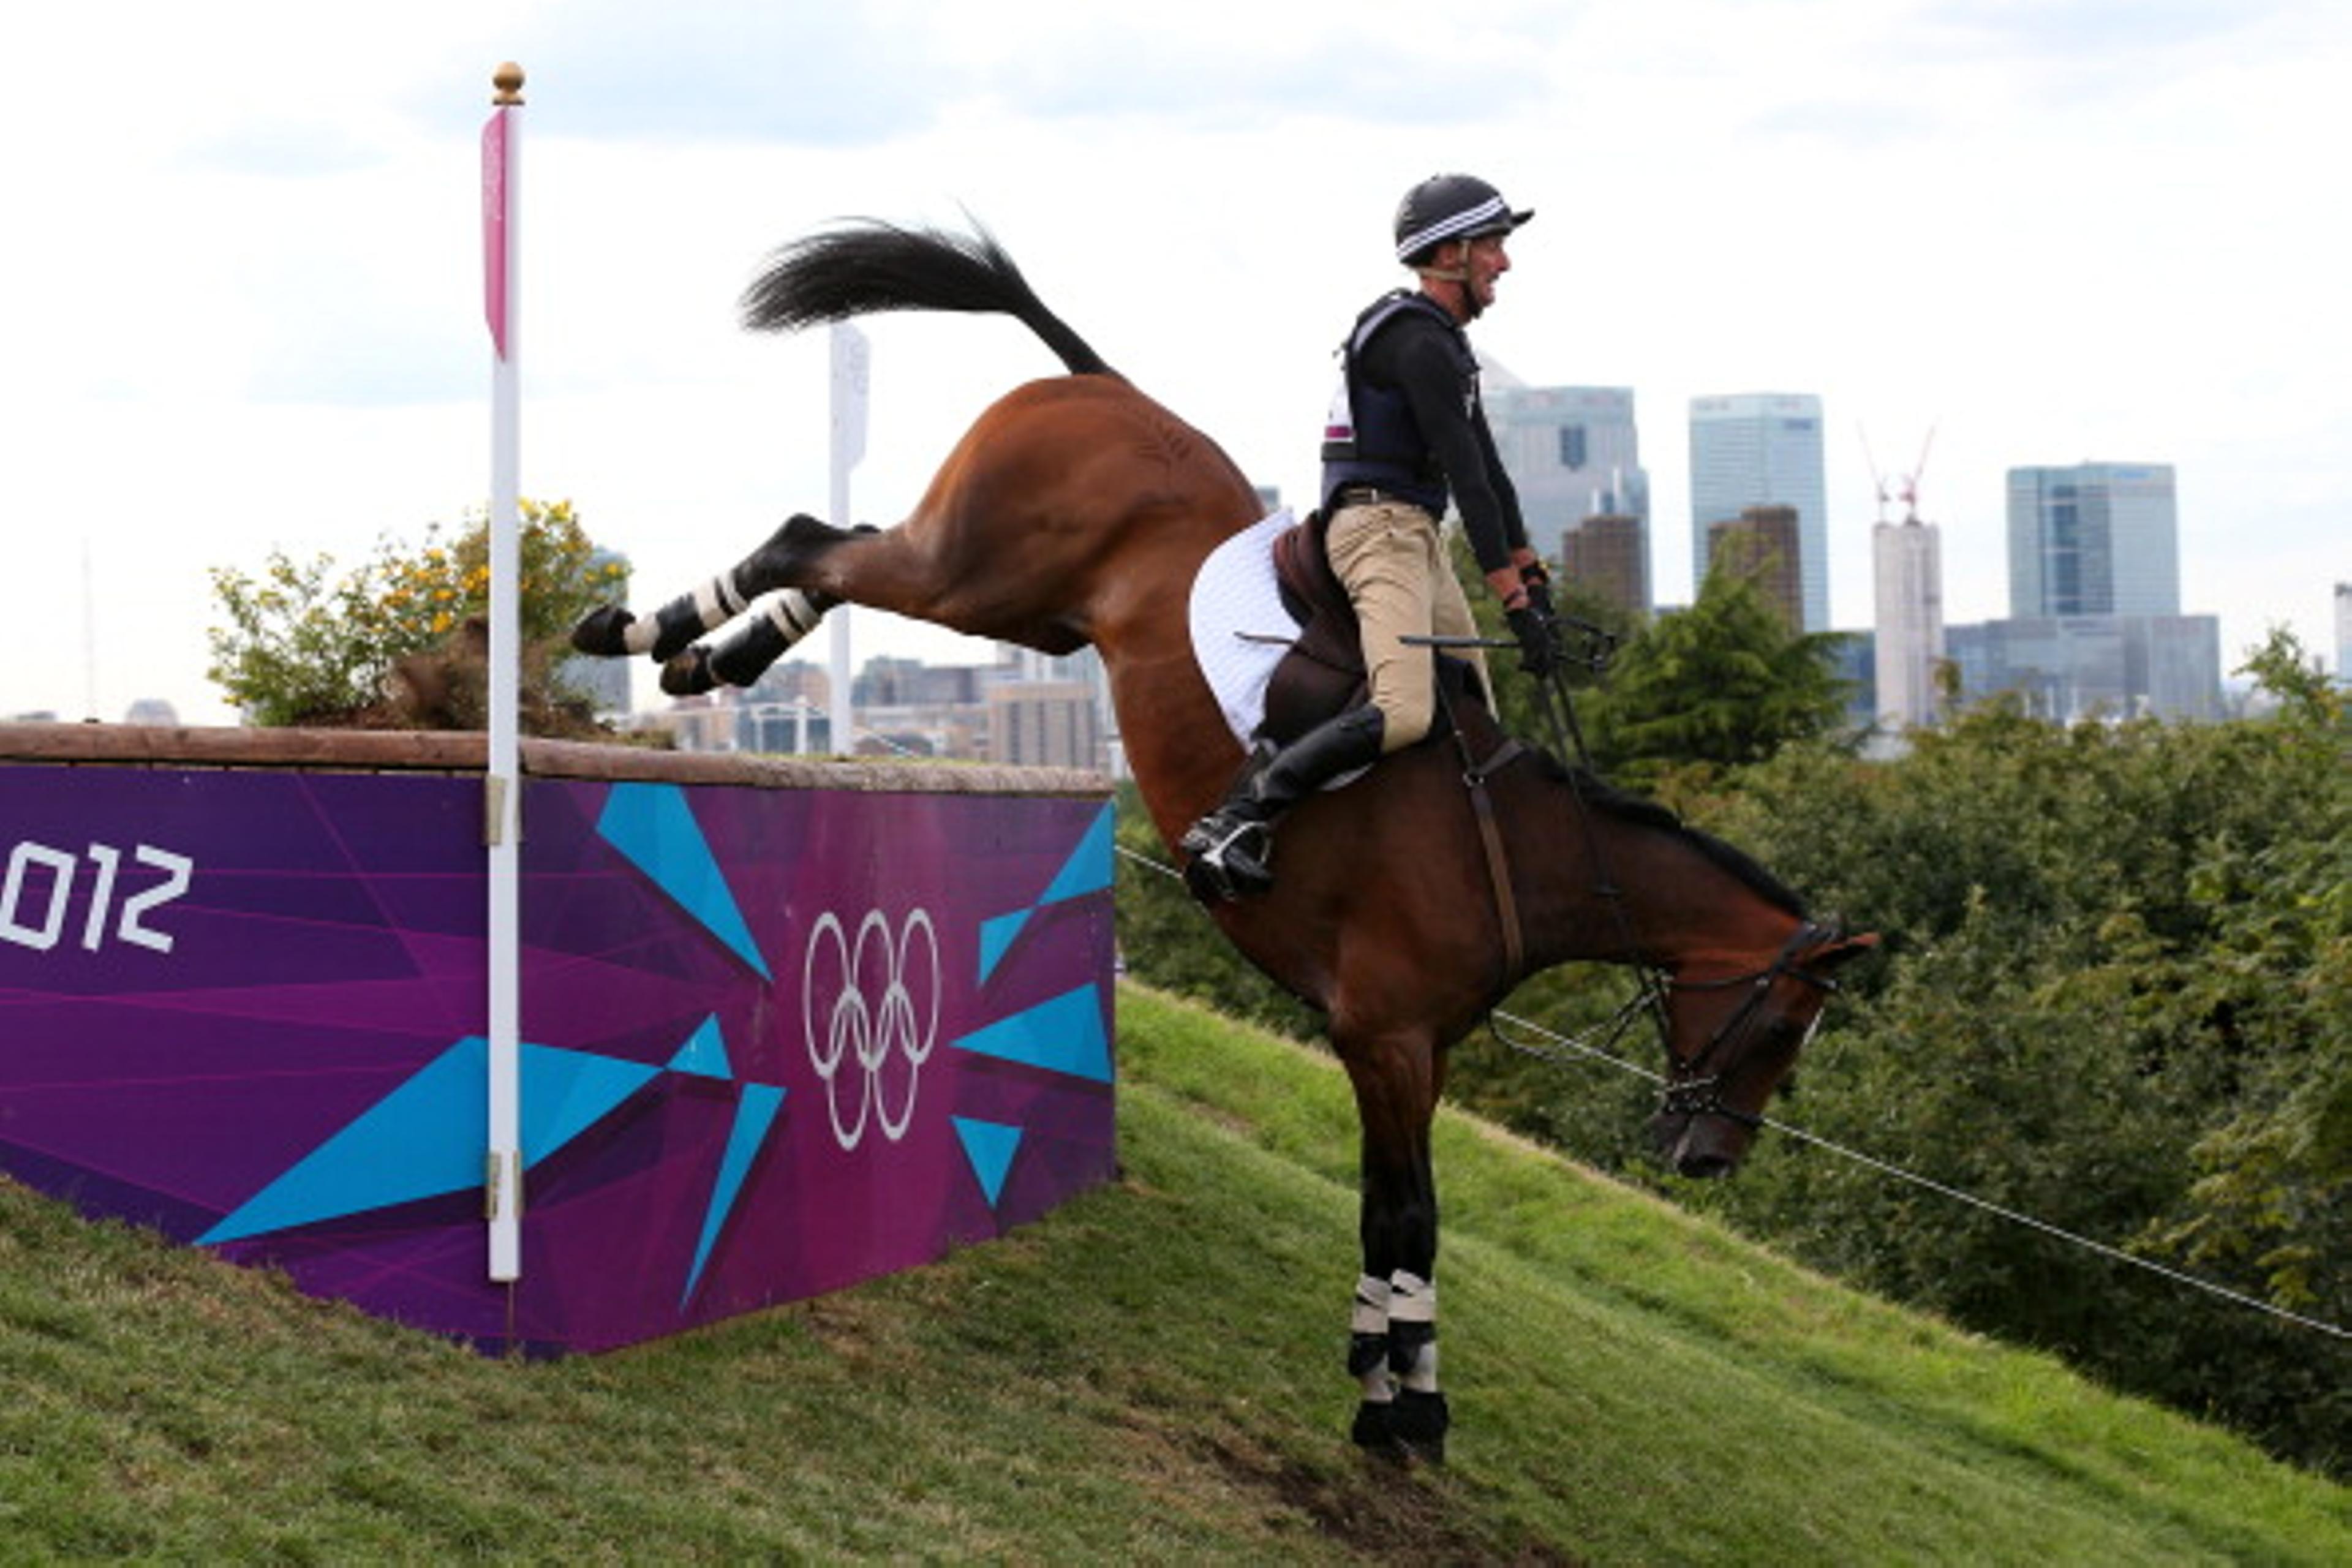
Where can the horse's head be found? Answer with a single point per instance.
(1732, 1038)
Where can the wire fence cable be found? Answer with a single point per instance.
(1581, 1046)
(1886, 1168)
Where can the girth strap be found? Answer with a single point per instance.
(1498, 865)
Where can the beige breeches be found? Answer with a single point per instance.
(1398, 577)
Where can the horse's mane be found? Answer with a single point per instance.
(867, 264)
(1640, 810)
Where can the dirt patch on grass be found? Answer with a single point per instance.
(1374, 1508)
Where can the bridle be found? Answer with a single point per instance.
(1688, 1088)
(1692, 1091)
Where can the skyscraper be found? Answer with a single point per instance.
(1760, 544)
(1572, 453)
(1607, 557)
(2097, 539)
(2071, 668)
(1908, 557)
(1763, 448)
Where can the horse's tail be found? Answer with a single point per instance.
(870, 266)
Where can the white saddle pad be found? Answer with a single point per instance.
(1240, 629)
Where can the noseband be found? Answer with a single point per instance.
(1701, 1094)
(1696, 1094)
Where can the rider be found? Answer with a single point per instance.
(1406, 429)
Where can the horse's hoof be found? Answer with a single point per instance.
(689, 674)
(1403, 1432)
(603, 632)
(1417, 1423)
(1374, 1431)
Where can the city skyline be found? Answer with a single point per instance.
(264, 329)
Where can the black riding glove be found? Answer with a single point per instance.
(1536, 578)
(1538, 636)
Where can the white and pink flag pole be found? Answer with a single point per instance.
(502, 783)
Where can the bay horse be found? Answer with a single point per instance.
(1076, 511)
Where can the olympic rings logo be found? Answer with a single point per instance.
(870, 1015)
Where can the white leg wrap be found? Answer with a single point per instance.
(716, 602)
(1412, 1299)
(1371, 1316)
(792, 613)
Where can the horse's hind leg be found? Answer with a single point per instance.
(777, 620)
(776, 584)
(610, 631)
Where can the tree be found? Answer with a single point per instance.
(395, 641)
(2117, 1001)
(1717, 686)
(2271, 1209)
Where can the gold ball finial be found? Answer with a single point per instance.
(507, 80)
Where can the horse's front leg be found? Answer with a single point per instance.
(1393, 1322)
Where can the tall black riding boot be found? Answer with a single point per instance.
(1233, 847)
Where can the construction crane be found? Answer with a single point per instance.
(1909, 490)
(1877, 483)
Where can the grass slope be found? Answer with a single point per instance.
(1150, 1375)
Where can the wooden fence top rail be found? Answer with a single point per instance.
(446, 751)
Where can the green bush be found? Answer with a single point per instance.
(304, 644)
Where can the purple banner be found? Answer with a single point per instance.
(773, 1041)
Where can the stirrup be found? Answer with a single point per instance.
(1229, 858)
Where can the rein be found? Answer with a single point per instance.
(1694, 1095)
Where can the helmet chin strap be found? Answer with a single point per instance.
(1472, 307)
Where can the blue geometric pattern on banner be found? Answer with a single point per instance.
(989, 1145)
(1064, 1035)
(426, 1137)
(1087, 870)
(564, 1093)
(704, 1055)
(655, 827)
(754, 1114)
(996, 934)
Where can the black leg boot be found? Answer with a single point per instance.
(1233, 847)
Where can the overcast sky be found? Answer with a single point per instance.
(244, 303)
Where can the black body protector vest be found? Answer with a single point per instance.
(1370, 435)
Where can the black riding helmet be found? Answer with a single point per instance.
(1450, 206)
